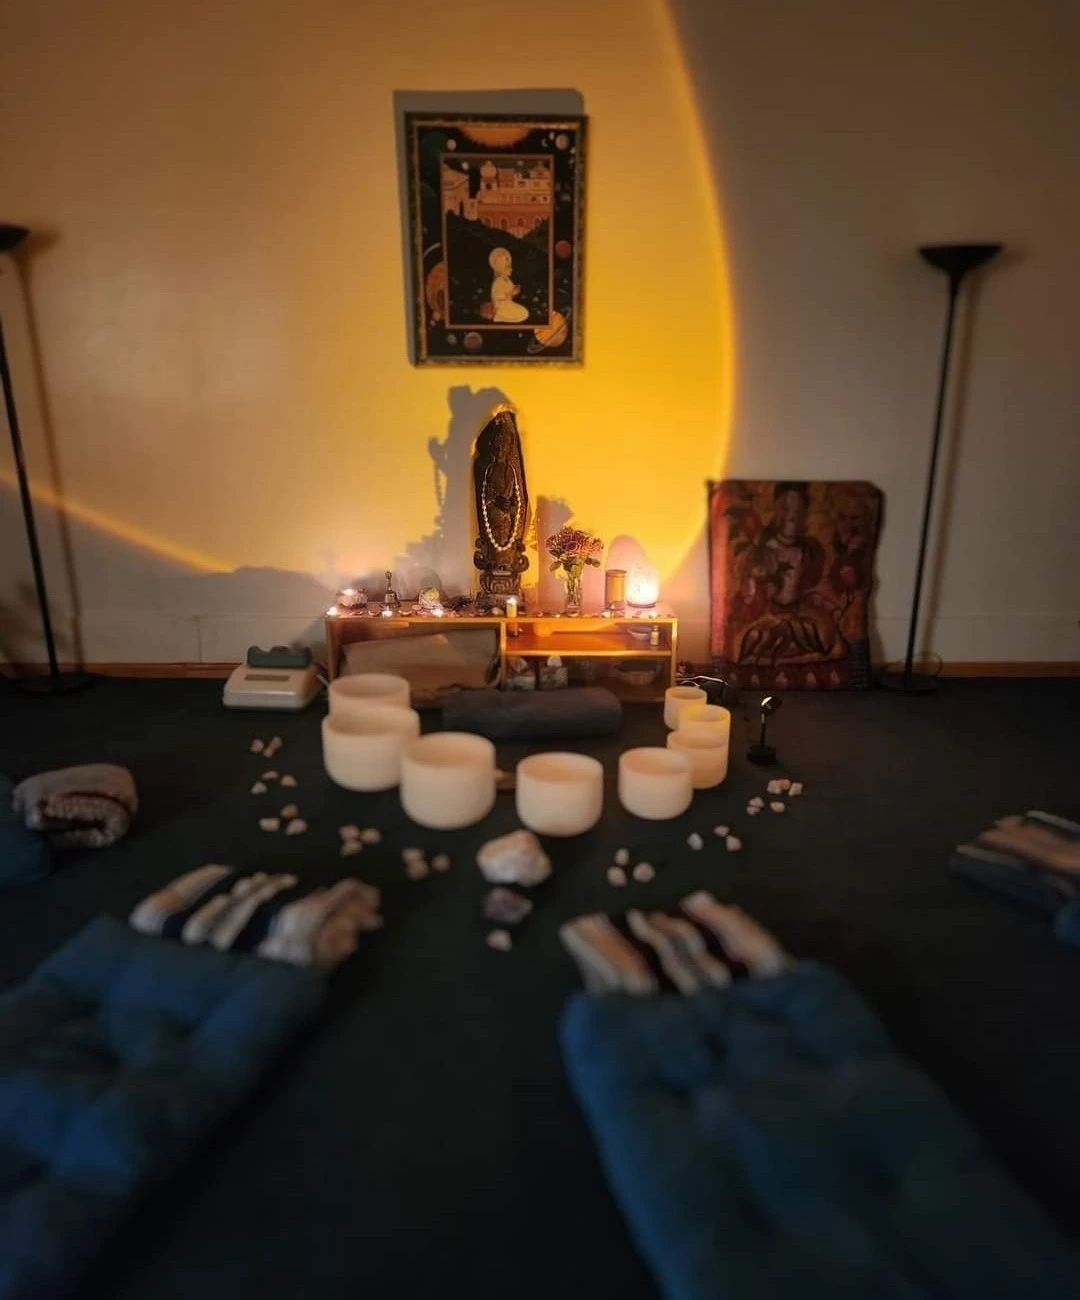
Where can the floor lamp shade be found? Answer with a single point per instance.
(955, 260)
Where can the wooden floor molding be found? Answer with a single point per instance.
(1050, 668)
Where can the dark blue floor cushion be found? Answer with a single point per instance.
(766, 1141)
(116, 1055)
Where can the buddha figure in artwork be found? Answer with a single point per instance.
(502, 507)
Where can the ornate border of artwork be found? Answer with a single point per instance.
(791, 575)
(496, 232)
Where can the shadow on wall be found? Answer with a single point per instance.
(136, 605)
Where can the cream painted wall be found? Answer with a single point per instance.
(234, 425)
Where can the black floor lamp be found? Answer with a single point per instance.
(956, 260)
(57, 682)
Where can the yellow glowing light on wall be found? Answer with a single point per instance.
(118, 528)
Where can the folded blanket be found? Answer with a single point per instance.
(270, 915)
(79, 807)
(1033, 860)
(765, 1142)
(116, 1057)
(551, 715)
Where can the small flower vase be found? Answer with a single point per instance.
(572, 604)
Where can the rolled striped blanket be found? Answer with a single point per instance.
(271, 916)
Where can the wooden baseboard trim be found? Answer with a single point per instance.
(1049, 668)
(218, 671)
(170, 670)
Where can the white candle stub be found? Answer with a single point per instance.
(655, 783)
(677, 698)
(362, 749)
(448, 779)
(560, 794)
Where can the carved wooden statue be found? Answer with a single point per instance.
(502, 507)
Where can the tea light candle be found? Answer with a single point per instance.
(448, 779)
(560, 794)
(676, 698)
(361, 690)
(707, 715)
(362, 748)
(707, 751)
(655, 783)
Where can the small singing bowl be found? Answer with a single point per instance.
(448, 779)
(360, 690)
(362, 749)
(677, 698)
(655, 783)
(560, 794)
(711, 715)
(707, 751)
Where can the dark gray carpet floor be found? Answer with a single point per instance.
(422, 1140)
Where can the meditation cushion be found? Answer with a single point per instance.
(24, 854)
(548, 715)
(116, 1056)
(764, 1140)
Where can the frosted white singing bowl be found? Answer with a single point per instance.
(677, 698)
(448, 779)
(560, 794)
(708, 753)
(655, 783)
(360, 690)
(712, 715)
(362, 748)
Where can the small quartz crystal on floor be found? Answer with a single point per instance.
(269, 823)
(289, 782)
(514, 859)
(721, 830)
(290, 811)
(796, 789)
(506, 906)
(783, 785)
(616, 876)
(752, 809)
(412, 855)
(271, 775)
(416, 868)
(756, 802)
(501, 940)
(644, 872)
(349, 832)
(695, 841)
(296, 827)
(778, 805)
(350, 847)
(259, 787)
(369, 835)
(441, 862)
(256, 746)
(774, 787)
(734, 844)
(622, 857)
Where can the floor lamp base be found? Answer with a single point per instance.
(54, 683)
(908, 683)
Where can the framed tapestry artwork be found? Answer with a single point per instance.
(791, 574)
(495, 239)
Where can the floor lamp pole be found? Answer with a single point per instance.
(956, 260)
(57, 683)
